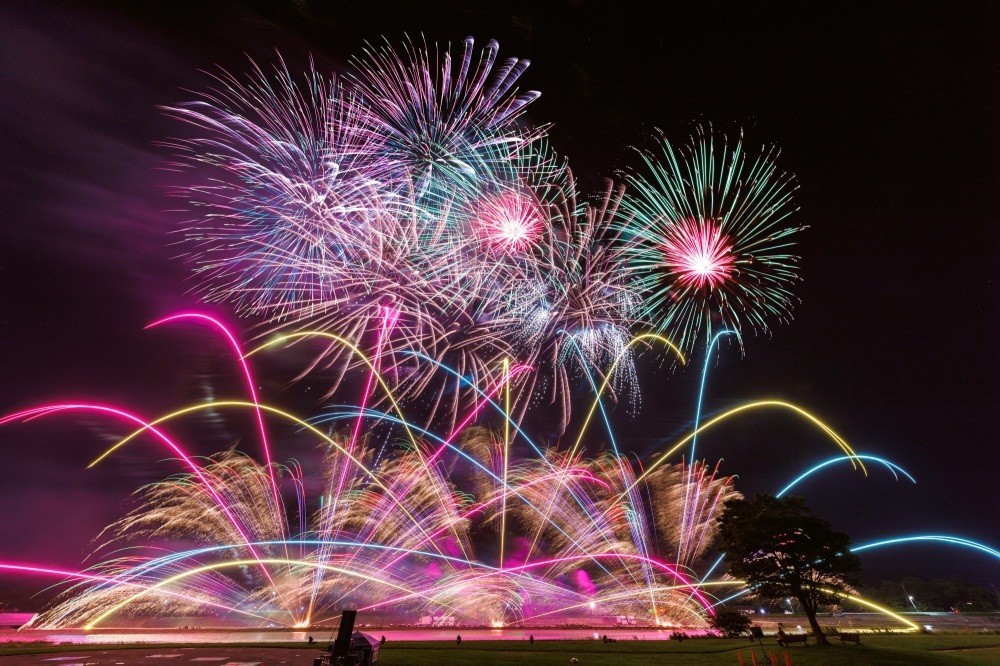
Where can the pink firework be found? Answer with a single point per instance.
(509, 222)
(698, 253)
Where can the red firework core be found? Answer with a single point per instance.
(698, 253)
(510, 221)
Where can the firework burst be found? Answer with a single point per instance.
(508, 222)
(413, 191)
(447, 125)
(294, 195)
(709, 244)
(575, 313)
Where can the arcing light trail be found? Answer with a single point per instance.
(891, 466)
(231, 563)
(697, 422)
(910, 624)
(930, 538)
(304, 424)
(554, 473)
(758, 404)
(581, 524)
(611, 373)
(31, 414)
(251, 389)
(388, 321)
(206, 406)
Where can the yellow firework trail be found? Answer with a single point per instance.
(611, 373)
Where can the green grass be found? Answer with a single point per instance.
(876, 650)
(879, 650)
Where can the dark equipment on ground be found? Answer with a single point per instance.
(758, 633)
(351, 648)
(850, 638)
(342, 646)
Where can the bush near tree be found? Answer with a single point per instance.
(731, 622)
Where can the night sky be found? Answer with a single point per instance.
(888, 118)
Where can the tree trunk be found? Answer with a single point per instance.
(810, 612)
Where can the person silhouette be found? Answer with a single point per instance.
(531, 639)
(458, 639)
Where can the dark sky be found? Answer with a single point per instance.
(888, 117)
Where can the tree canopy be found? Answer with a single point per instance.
(781, 550)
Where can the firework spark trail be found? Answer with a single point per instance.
(46, 410)
(153, 565)
(562, 560)
(446, 129)
(558, 471)
(598, 392)
(340, 199)
(32, 569)
(577, 311)
(394, 497)
(607, 378)
(506, 457)
(508, 490)
(293, 160)
(416, 183)
(543, 456)
(429, 463)
(374, 374)
(661, 459)
(697, 421)
(300, 422)
(236, 563)
(126, 416)
(444, 443)
(632, 593)
(389, 317)
(216, 404)
(634, 508)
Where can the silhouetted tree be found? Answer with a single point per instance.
(781, 550)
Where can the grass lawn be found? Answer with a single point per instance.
(875, 649)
